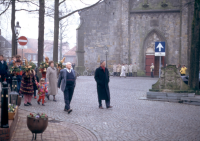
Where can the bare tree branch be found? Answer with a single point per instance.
(79, 10)
(6, 8)
(27, 10)
(29, 2)
(61, 2)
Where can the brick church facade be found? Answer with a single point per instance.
(130, 28)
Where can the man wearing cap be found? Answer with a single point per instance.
(102, 78)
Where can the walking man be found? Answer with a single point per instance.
(3, 68)
(135, 70)
(152, 69)
(114, 70)
(130, 69)
(126, 67)
(102, 78)
(67, 82)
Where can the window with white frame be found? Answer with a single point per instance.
(29, 56)
(34, 57)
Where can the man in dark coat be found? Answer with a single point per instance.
(3, 68)
(102, 79)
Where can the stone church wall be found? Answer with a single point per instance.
(127, 29)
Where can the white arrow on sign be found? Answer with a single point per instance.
(160, 46)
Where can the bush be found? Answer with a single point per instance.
(141, 73)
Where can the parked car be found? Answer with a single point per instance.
(186, 78)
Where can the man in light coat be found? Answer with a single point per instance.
(135, 70)
(130, 69)
(67, 82)
(114, 70)
(118, 69)
(126, 67)
(152, 70)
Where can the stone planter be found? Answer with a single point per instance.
(37, 125)
(11, 115)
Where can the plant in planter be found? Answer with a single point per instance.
(37, 123)
(11, 111)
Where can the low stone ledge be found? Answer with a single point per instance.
(6, 133)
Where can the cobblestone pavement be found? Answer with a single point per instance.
(56, 131)
(130, 119)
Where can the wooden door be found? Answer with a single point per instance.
(149, 59)
(156, 65)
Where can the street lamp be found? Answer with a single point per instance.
(17, 31)
(106, 51)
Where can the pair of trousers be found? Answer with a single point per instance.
(3, 78)
(115, 74)
(152, 74)
(106, 101)
(34, 92)
(130, 74)
(27, 98)
(134, 74)
(41, 98)
(18, 86)
(182, 74)
(68, 94)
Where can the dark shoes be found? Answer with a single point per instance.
(54, 100)
(43, 105)
(100, 107)
(109, 107)
(29, 103)
(38, 102)
(26, 104)
(69, 111)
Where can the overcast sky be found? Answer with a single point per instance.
(29, 22)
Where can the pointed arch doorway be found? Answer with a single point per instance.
(150, 54)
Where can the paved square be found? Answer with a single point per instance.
(130, 119)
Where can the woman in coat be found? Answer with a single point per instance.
(102, 79)
(26, 88)
(51, 78)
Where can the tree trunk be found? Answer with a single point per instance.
(56, 31)
(61, 41)
(41, 31)
(195, 51)
(14, 50)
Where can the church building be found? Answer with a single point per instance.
(126, 31)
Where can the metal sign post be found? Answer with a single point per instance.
(159, 51)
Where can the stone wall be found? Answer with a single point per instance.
(127, 28)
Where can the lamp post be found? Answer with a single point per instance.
(106, 51)
(17, 31)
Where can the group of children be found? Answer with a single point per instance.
(41, 86)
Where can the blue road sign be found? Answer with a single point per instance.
(159, 48)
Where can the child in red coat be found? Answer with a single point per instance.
(42, 89)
